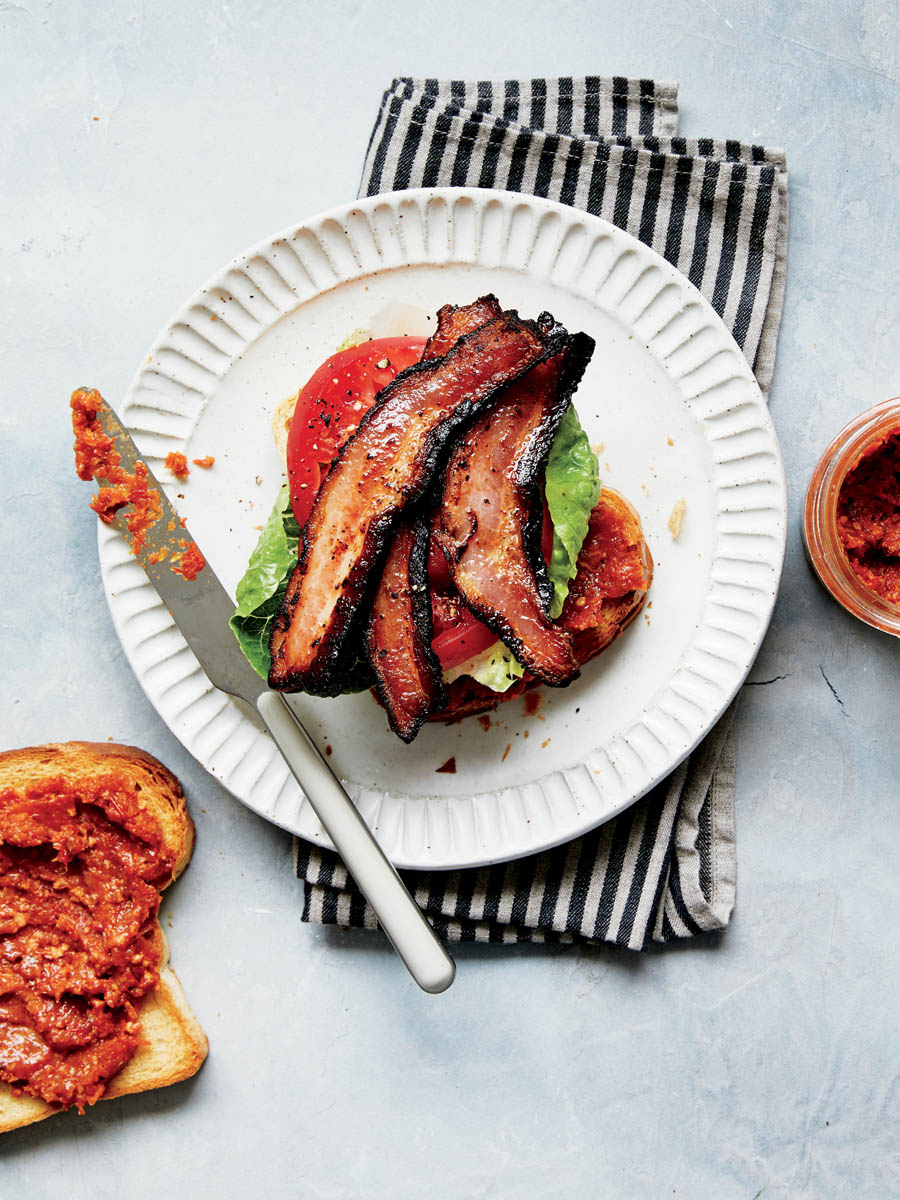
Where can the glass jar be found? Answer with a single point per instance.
(820, 531)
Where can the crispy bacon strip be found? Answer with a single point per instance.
(388, 463)
(454, 323)
(398, 643)
(398, 639)
(490, 518)
(615, 569)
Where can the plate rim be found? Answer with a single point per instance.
(424, 196)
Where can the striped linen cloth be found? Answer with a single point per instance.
(718, 211)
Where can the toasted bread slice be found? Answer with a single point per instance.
(83, 762)
(173, 1046)
(173, 1049)
(281, 423)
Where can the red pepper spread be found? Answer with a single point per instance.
(80, 872)
(191, 562)
(97, 458)
(868, 518)
(610, 564)
(177, 463)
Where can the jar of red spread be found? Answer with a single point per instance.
(851, 519)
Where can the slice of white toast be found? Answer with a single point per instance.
(173, 1046)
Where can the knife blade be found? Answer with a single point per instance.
(201, 609)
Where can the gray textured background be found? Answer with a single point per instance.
(764, 1063)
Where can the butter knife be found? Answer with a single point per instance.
(201, 609)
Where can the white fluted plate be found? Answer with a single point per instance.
(668, 396)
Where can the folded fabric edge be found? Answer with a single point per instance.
(764, 362)
(657, 91)
(708, 801)
(328, 906)
(461, 114)
(752, 154)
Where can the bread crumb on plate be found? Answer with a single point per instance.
(676, 518)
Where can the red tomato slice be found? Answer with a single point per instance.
(331, 405)
(458, 635)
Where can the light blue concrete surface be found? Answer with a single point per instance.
(764, 1063)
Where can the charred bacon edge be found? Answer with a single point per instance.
(408, 557)
(498, 624)
(405, 574)
(454, 322)
(325, 677)
(466, 697)
(532, 464)
(528, 469)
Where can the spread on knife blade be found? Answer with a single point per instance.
(96, 458)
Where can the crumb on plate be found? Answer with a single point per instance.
(177, 463)
(676, 518)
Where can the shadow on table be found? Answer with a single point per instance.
(107, 1116)
(633, 962)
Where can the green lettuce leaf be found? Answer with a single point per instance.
(273, 557)
(572, 488)
(262, 584)
(496, 667)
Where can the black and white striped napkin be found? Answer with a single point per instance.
(718, 211)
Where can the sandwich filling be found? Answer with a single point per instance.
(571, 485)
(387, 464)
(80, 873)
(451, 576)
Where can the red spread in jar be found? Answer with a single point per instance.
(80, 871)
(868, 517)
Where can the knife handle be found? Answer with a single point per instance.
(401, 918)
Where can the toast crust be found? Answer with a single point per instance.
(173, 1045)
(175, 1048)
(161, 794)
